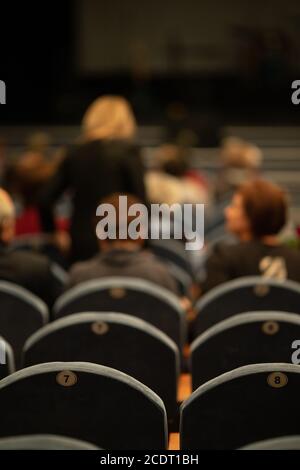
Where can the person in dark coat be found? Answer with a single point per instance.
(104, 162)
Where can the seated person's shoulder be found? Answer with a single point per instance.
(290, 252)
(83, 271)
(227, 250)
(156, 271)
(79, 266)
(292, 259)
(234, 250)
(30, 261)
(34, 272)
(221, 264)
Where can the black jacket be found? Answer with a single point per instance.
(31, 271)
(253, 258)
(91, 171)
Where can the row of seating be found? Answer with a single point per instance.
(115, 340)
(112, 410)
(144, 300)
(44, 442)
(251, 293)
(127, 344)
(51, 442)
(22, 313)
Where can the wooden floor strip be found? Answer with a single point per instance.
(184, 387)
(174, 441)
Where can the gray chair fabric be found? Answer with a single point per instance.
(135, 297)
(44, 442)
(183, 279)
(249, 404)
(172, 251)
(21, 314)
(246, 294)
(281, 443)
(84, 401)
(120, 341)
(61, 276)
(247, 338)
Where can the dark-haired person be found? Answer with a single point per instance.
(256, 215)
(123, 257)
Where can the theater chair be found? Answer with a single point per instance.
(115, 340)
(21, 314)
(246, 294)
(85, 401)
(247, 338)
(279, 443)
(44, 442)
(248, 404)
(7, 359)
(133, 296)
(172, 253)
(184, 280)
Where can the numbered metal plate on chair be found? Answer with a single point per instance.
(117, 292)
(277, 379)
(261, 290)
(66, 378)
(270, 327)
(99, 328)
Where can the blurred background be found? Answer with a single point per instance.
(196, 64)
(195, 72)
(202, 105)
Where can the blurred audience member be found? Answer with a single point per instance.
(256, 215)
(240, 162)
(123, 257)
(171, 181)
(104, 161)
(30, 270)
(3, 159)
(39, 142)
(24, 181)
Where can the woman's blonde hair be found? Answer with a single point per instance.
(109, 117)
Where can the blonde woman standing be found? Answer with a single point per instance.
(105, 161)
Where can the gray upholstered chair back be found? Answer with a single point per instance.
(135, 297)
(84, 401)
(246, 294)
(21, 314)
(249, 404)
(44, 442)
(120, 341)
(246, 338)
